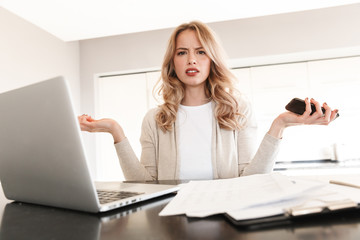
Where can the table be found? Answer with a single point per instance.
(141, 221)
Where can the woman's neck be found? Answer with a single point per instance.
(194, 97)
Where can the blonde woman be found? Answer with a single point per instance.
(204, 129)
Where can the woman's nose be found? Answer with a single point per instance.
(191, 60)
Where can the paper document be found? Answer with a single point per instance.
(243, 197)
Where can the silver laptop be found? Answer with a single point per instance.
(42, 159)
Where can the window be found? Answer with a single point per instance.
(125, 98)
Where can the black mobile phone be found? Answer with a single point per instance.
(297, 105)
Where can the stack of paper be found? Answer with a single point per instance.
(251, 197)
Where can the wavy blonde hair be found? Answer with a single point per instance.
(219, 84)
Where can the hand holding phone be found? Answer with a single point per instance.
(297, 105)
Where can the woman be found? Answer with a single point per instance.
(204, 129)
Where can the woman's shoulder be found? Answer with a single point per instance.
(150, 116)
(246, 110)
(151, 113)
(244, 105)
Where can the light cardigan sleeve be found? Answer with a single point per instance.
(250, 160)
(132, 168)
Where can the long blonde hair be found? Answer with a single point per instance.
(219, 85)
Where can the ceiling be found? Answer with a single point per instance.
(72, 20)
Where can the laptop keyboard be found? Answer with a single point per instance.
(111, 196)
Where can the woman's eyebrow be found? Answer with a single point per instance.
(183, 48)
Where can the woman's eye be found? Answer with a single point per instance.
(181, 53)
(202, 52)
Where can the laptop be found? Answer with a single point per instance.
(42, 158)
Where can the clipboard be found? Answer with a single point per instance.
(281, 201)
(298, 215)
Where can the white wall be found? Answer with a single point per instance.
(295, 34)
(28, 54)
(314, 30)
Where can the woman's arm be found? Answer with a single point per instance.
(131, 167)
(288, 119)
(263, 160)
(146, 169)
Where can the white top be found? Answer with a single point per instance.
(195, 132)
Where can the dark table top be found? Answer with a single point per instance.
(141, 221)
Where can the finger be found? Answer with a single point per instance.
(327, 115)
(82, 118)
(318, 112)
(307, 108)
(85, 117)
(333, 115)
(89, 118)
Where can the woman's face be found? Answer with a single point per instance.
(192, 64)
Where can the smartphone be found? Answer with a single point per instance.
(297, 105)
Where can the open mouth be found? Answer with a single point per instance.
(191, 72)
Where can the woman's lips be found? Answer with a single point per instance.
(192, 71)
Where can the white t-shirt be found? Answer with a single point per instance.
(195, 132)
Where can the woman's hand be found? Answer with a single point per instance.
(288, 119)
(87, 123)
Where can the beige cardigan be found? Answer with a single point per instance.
(233, 152)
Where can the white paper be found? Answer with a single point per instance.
(321, 197)
(262, 191)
